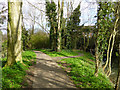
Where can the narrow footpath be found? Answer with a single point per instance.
(46, 73)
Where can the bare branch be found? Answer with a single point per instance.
(38, 24)
(3, 29)
(35, 6)
(2, 11)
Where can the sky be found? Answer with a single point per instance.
(88, 11)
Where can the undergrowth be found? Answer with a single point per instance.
(82, 72)
(12, 77)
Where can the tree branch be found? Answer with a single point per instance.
(39, 25)
(35, 6)
(2, 11)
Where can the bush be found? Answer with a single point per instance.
(39, 40)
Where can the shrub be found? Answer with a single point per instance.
(39, 40)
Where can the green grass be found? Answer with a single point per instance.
(82, 72)
(12, 77)
(60, 54)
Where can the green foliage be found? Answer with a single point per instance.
(82, 73)
(104, 26)
(39, 40)
(25, 39)
(51, 12)
(60, 54)
(51, 17)
(4, 48)
(72, 27)
(88, 55)
(12, 77)
(29, 57)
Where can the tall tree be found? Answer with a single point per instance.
(59, 28)
(51, 14)
(104, 27)
(14, 32)
(60, 24)
(113, 35)
(72, 27)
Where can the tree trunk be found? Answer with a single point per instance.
(108, 50)
(59, 28)
(32, 32)
(0, 48)
(75, 46)
(113, 40)
(14, 32)
(97, 61)
(0, 59)
(96, 44)
(59, 25)
(84, 43)
(109, 71)
(53, 35)
(87, 43)
(51, 39)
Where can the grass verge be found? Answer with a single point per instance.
(60, 54)
(81, 71)
(12, 77)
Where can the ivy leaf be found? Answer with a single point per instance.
(117, 54)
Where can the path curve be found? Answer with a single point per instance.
(48, 74)
(59, 58)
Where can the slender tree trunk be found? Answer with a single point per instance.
(33, 26)
(87, 43)
(53, 38)
(113, 40)
(97, 61)
(108, 50)
(96, 44)
(0, 46)
(59, 28)
(63, 34)
(84, 43)
(0, 58)
(67, 43)
(109, 71)
(60, 24)
(75, 46)
(14, 32)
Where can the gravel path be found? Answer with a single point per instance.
(48, 74)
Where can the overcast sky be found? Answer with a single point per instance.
(88, 11)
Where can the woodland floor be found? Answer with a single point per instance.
(46, 73)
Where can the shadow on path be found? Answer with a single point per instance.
(48, 74)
